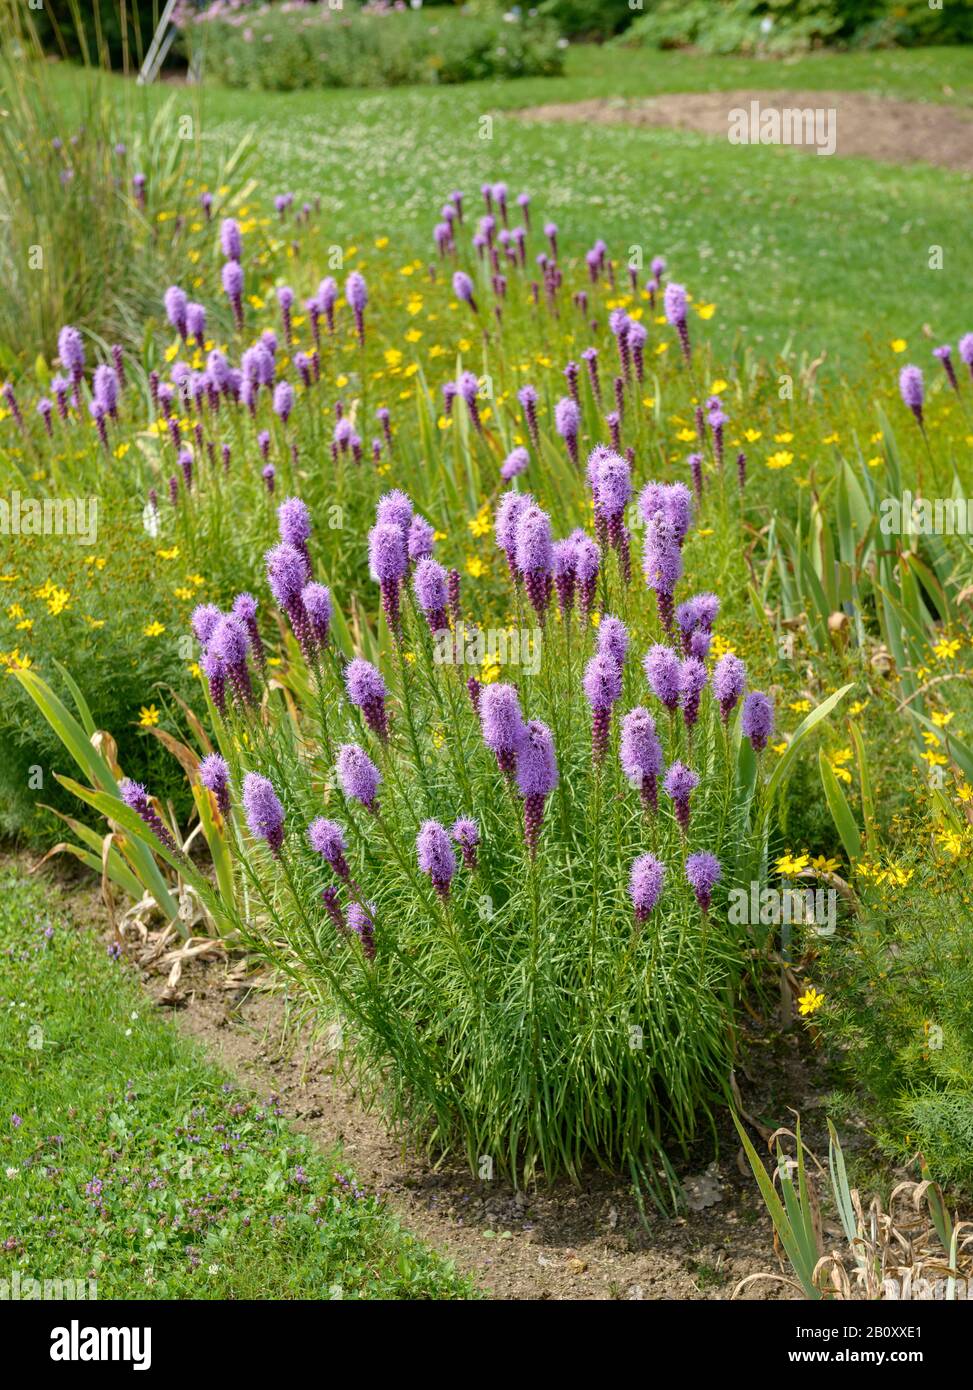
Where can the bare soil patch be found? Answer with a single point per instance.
(897, 132)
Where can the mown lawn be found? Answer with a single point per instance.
(804, 254)
(126, 1157)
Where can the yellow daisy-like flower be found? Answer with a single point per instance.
(148, 716)
(172, 554)
(782, 459)
(475, 567)
(800, 706)
(686, 436)
(751, 436)
(153, 629)
(789, 863)
(948, 649)
(941, 720)
(898, 345)
(717, 386)
(705, 311)
(481, 524)
(784, 437)
(810, 1001)
(823, 865)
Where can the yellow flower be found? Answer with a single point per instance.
(789, 864)
(184, 594)
(705, 311)
(782, 459)
(751, 436)
(784, 438)
(172, 554)
(57, 601)
(481, 523)
(858, 707)
(15, 611)
(489, 671)
(780, 748)
(148, 715)
(898, 345)
(950, 841)
(686, 436)
(947, 649)
(153, 629)
(800, 706)
(413, 335)
(475, 567)
(823, 865)
(941, 720)
(717, 386)
(832, 438)
(810, 1001)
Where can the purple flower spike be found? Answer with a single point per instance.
(587, 563)
(510, 509)
(641, 755)
(661, 668)
(602, 687)
(294, 527)
(421, 540)
(264, 813)
(945, 355)
(430, 586)
(514, 464)
(176, 303)
(366, 691)
(356, 293)
(136, 798)
(911, 389)
(463, 289)
(757, 719)
(729, 683)
(692, 682)
(503, 724)
(467, 835)
(674, 303)
(361, 923)
(535, 557)
(679, 784)
(537, 777)
(204, 618)
(229, 645)
(436, 857)
(215, 776)
(316, 601)
(645, 885)
(327, 839)
(70, 349)
(389, 562)
(613, 640)
(703, 872)
(358, 776)
(965, 350)
(567, 422)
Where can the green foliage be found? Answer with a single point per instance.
(280, 50)
(588, 19)
(135, 1162)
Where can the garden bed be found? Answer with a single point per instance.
(897, 132)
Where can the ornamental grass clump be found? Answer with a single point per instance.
(527, 942)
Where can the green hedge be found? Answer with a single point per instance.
(284, 50)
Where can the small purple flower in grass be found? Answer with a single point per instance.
(729, 683)
(366, 691)
(468, 387)
(467, 836)
(361, 923)
(215, 776)
(294, 527)
(537, 777)
(70, 349)
(757, 720)
(662, 564)
(535, 556)
(911, 390)
(502, 723)
(645, 885)
(286, 575)
(602, 687)
(661, 666)
(742, 469)
(269, 475)
(640, 754)
(514, 464)
(436, 857)
(231, 243)
(327, 839)
(567, 422)
(44, 409)
(611, 480)
(136, 798)
(389, 562)
(358, 776)
(283, 400)
(196, 322)
(527, 396)
(692, 682)
(695, 462)
(703, 873)
(356, 293)
(105, 388)
(587, 563)
(679, 784)
(463, 289)
(674, 303)
(945, 355)
(563, 556)
(176, 302)
(429, 584)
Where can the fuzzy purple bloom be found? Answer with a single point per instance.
(467, 835)
(435, 856)
(136, 798)
(645, 885)
(703, 872)
(537, 777)
(502, 723)
(729, 683)
(911, 390)
(215, 776)
(679, 784)
(757, 719)
(358, 776)
(327, 839)
(366, 691)
(640, 754)
(661, 666)
(264, 813)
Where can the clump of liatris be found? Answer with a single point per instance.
(358, 776)
(537, 777)
(645, 885)
(640, 754)
(757, 720)
(136, 798)
(467, 835)
(611, 483)
(679, 784)
(264, 813)
(703, 873)
(366, 691)
(436, 857)
(503, 724)
(229, 646)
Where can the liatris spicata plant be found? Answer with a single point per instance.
(640, 753)
(692, 682)
(358, 776)
(463, 289)
(567, 422)
(356, 293)
(537, 778)
(679, 783)
(527, 396)
(503, 724)
(645, 885)
(911, 390)
(674, 303)
(389, 562)
(215, 776)
(661, 668)
(327, 839)
(263, 811)
(435, 855)
(535, 557)
(603, 688)
(945, 355)
(430, 585)
(366, 691)
(729, 683)
(757, 720)
(136, 798)
(703, 873)
(467, 835)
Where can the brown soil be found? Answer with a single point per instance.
(900, 132)
(553, 1242)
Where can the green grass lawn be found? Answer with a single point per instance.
(798, 253)
(127, 1158)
